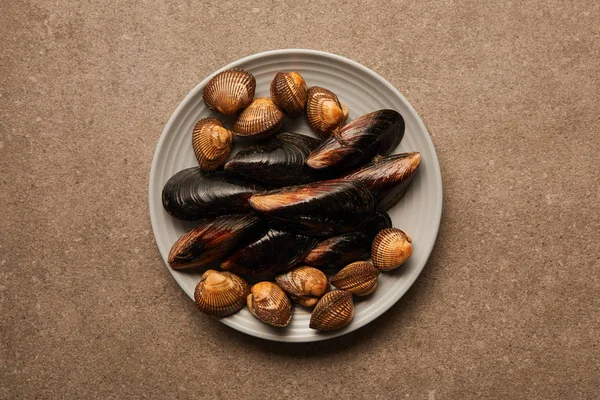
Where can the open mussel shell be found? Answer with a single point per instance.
(220, 293)
(358, 278)
(259, 120)
(391, 248)
(230, 91)
(288, 91)
(193, 194)
(268, 253)
(319, 209)
(270, 304)
(305, 285)
(388, 177)
(358, 142)
(211, 143)
(207, 244)
(324, 111)
(277, 161)
(334, 311)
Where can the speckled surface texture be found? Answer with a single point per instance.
(508, 305)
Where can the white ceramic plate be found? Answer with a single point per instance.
(362, 91)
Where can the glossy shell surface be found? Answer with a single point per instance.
(362, 91)
(288, 91)
(230, 91)
(259, 120)
(211, 142)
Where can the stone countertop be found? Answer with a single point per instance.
(508, 304)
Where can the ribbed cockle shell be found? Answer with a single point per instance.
(391, 248)
(211, 142)
(324, 111)
(259, 120)
(288, 91)
(334, 311)
(220, 293)
(230, 91)
(359, 278)
(305, 285)
(270, 304)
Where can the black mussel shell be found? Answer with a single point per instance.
(269, 254)
(338, 251)
(358, 142)
(210, 242)
(318, 209)
(388, 177)
(194, 194)
(277, 161)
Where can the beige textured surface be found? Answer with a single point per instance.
(508, 305)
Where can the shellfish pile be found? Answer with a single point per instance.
(290, 220)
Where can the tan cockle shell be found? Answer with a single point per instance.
(288, 91)
(305, 285)
(270, 304)
(230, 91)
(334, 311)
(220, 293)
(259, 120)
(324, 111)
(359, 278)
(391, 248)
(211, 143)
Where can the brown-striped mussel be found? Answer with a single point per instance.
(305, 285)
(277, 161)
(341, 250)
(334, 311)
(388, 178)
(358, 278)
(259, 120)
(324, 111)
(358, 142)
(268, 253)
(270, 304)
(220, 293)
(211, 142)
(193, 194)
(210, 242)
(230, 91)
(288, 91)
(391, 248)
(318, 209)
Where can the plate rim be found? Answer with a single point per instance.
(437, 213)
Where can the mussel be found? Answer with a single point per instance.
(389, 177)
(305, 285)
(338, 251)
(270, 304)
(358, 142)
(334, 311)
(277, 161)
(391, 248)
(207, 244)
(211, 143)
(288, 91)
(318, 209)
(268, 253)
(359, 278)
(193, 194)
(230, 91)
(259, 120)
(220, 293)
(324, 111)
